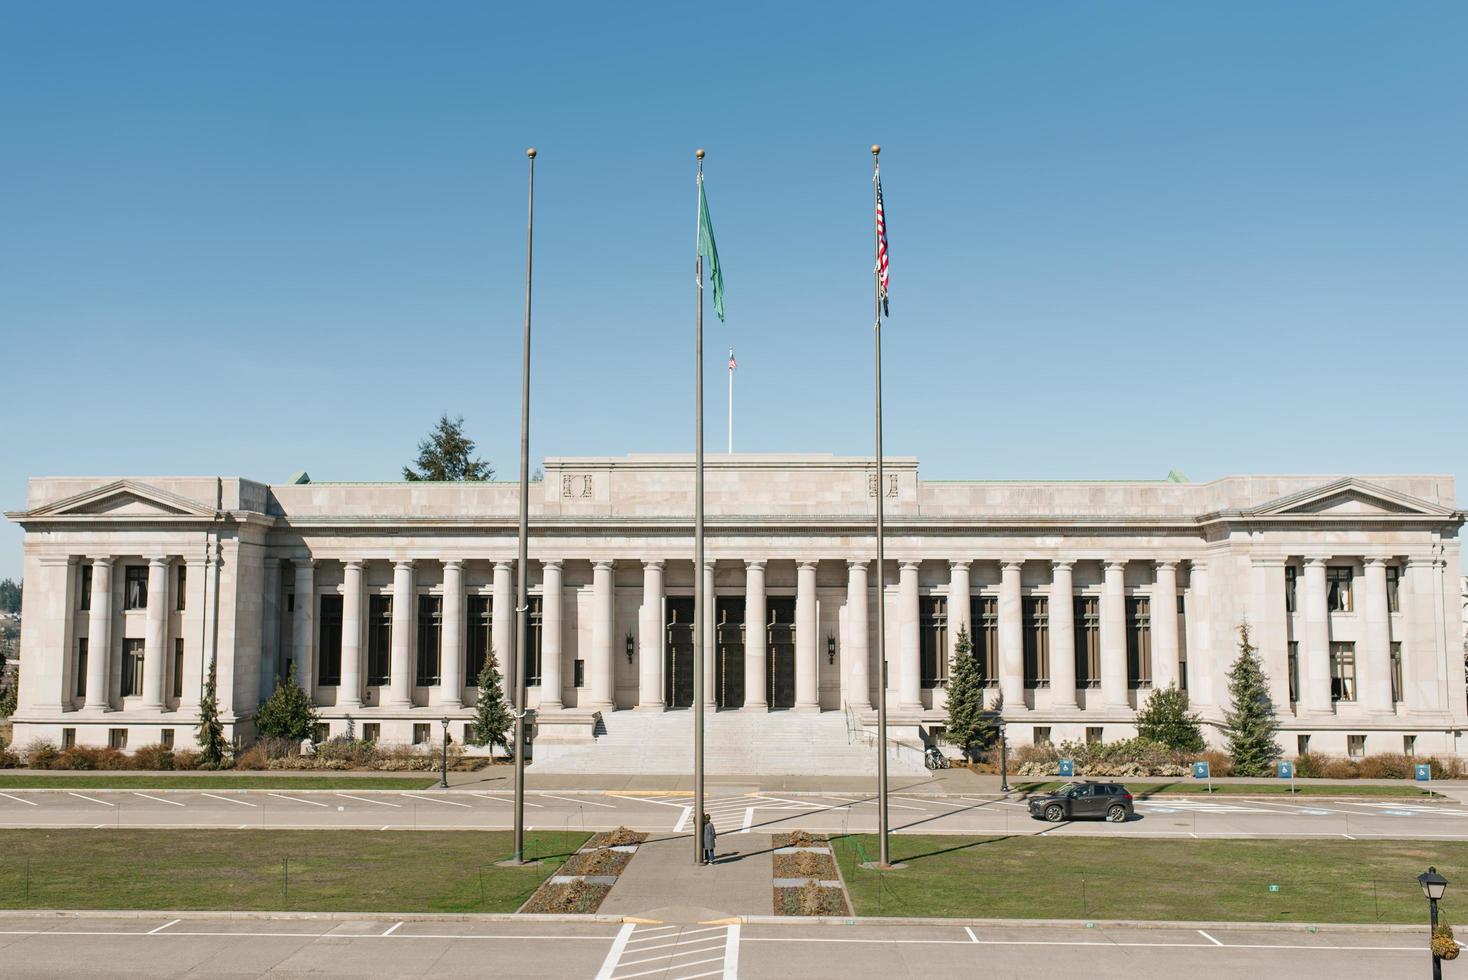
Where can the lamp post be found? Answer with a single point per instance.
(443, 781)
(1003, 758)
(1433, 886)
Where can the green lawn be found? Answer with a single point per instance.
(184, 780)
(1130, 878)
(1281, 788)
(302, 870)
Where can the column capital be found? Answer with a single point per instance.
(457, 564)
(158, 561)
(754, 564)
(807, 563)
(403, 564)
(607, 564)
(909, 564)
(102, 559)
(955, 564)
(852, 564)
(1114, 564)
(1011, 564)
(1167, 564)
(709, 563)
(1317, 559)
(504, 565)
(1062, 564)
(355, 564)
(548, 564)
(1371, 561)
(1417, 561)
(58, 560)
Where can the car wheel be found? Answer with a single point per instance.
(1055, 813)
(1116, 814)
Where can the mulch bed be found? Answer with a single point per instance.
(621, 837)
(605, 855)
(815, 865)
(810, 899)
(806, 864)
(801, 838)
(576, 897)
(598, 861)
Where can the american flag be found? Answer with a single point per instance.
(732, 363)
(881, 246)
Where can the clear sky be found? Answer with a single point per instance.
(256, 238)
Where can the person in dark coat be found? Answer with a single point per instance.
(709, 837)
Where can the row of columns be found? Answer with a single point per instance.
(100, 639)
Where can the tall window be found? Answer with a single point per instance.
(132, 667)
(1182, 642)
(84, 587)
(1394, 588)
(1338, 588)
(1088, 641)
(533, 641)
(933, 639)
(479, 636)
(1294, 665)
(182, 584)
(81, 667)
(135, 587)
(1289, 588)
(1139, 641)
(430, 629)
(1343, 671)
(1397, 696)
(1037, 641)
(329, 656)
(379, 639)
(984, 614)
(178, 665)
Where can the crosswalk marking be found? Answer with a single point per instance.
(677, 952)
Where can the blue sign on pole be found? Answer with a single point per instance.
(1200, 770)
(1422, 772)
(1286, 770)
(1067, 767)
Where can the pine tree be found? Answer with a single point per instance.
(287, 713)
(1165, 719)
(211, 732)
(492, 718)
(968, 727)
(1249, 721)
(448, 455)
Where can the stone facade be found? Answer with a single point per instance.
(380, 597)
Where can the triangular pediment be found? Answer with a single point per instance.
(124, 498)
(1350, 498)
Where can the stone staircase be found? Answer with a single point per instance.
(735, 743)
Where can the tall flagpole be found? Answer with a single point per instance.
(882, 819)
(698, 594)
(522, 605)
(731, 401)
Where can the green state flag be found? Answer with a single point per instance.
(710, 251)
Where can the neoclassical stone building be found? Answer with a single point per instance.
(385, 598)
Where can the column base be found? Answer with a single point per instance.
(396, 705)
(755, 706)
(650, 706)
(549, 706)
(455, 703)
(809, 709)
(858, 706)
(916, 707)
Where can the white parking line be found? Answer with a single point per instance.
(434, 799)
(1209, 938)
(609, 965)
(970, 934)
(731, 954)
(89, 799)
(294, 800)
(748, 820)
(392, 929)
(19, 800)
(568, 799)
(158, 799)
(507, 800)
(363, 799)
(683, 819)
(165, 925)
(228, 799)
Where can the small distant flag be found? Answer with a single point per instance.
(881, 245)
(732, 363)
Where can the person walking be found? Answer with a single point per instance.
(710, 835)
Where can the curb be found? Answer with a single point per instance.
(305, 916)
(1077, 923)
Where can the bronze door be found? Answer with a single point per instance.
(780, 635)
(729, 662)
(678, 653)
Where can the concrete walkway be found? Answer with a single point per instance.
(662, 882)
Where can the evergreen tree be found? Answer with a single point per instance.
(448, 455)
(969, 727)
(287, 713)
(1249, 721)
(492, 717)
(212, 747)
(10, 593)
(1165, 719)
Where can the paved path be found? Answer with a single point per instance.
(663, 883)
(183, 946)
(736, 810)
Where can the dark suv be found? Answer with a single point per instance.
(1110, 801)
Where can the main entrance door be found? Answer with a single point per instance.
(729, 664)
(780, 637)
(678, 653)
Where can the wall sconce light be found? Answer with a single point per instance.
(629, 648)
(831, 648)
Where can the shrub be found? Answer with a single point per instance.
(1449, 768)
(185, 759)
(1220, 763)
(153, 757)
(1310, 765)
(1127, 758)
(9, 758)
(1340, 769)
(1164, 718)
(41, 754)
(287, 714)
(1388, 765)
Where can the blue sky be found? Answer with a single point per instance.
(1126, 237)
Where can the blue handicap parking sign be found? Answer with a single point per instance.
(1422, 772)
(1286, 770)
(1067, 767)
(1200, 770)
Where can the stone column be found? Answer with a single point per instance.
(451, 637)
(1164, 626)
(1375, 661)
(1316, 649)
(958, 602)
(155, 635)
(1419, 645)
(1201, 662)
(550, 635)
(193, 625)
(756, 664)
(303, 628)
(270, 628)
(1113, 637)
(1062, 637)
(650, 640)
(99, 636)
(858, 638)
(502, 625)
(1011, 637)
(807, 639)
(909, 663)
(349, 690)
(710, 636)
(601, 667)
(1271, 632)
(400, 682)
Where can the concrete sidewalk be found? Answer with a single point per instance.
(662, 882)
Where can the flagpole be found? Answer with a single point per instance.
(522, 605)
(731, 401)
(698, 592)
(882, 818)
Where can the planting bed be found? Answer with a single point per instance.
(584, 881)
(807, 880)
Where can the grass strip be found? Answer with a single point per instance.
(297, 870)
(103, 780)
(1282, 788)
(1129, 878)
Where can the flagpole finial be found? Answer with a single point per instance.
(530, 153)
(876, 148)
(698, 153)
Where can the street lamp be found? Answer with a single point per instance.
(443, 781)
(1433, 886)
